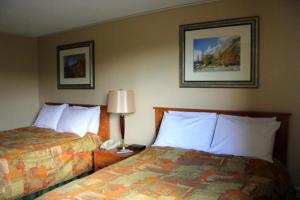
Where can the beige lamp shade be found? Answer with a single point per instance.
(121, 101)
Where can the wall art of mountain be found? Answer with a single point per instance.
(74, 66)
(217, 54)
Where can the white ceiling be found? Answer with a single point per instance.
(36, 18)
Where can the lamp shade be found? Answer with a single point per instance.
(121, 101)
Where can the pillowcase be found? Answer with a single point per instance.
(245, 136)
(94, 124)
(49, 116)
(187, 132)
(75, 120)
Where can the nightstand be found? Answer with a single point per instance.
(104, 158)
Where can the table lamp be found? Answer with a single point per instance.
(121, 102)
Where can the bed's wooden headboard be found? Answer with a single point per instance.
(281, 139)
(104, 130)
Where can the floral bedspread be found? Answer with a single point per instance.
(171, 173)
(32, 159)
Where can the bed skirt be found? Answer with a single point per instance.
(41, 192)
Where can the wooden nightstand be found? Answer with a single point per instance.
(104, 158)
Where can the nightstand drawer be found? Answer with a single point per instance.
(104, 158)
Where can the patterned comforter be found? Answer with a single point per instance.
(32, 159)
(172, 173)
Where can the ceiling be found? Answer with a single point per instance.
(35, 18)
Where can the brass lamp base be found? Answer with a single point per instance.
(123, 146)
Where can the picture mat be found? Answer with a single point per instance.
(67, 52)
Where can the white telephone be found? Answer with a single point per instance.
(110, 144)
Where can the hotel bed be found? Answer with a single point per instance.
(176, 173)
(33, 159)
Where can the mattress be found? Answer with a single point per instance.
(32, 159)
(173, 173)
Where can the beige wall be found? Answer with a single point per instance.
(141, 53)
(18, 81)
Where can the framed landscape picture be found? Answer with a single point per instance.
(75, 66)
(220, 53)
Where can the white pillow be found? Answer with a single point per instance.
(245, 136)
(49, 116)
(75, 120)
(187, 132)
(94, 124)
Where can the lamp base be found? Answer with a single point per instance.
(124, 151)
(122, 128)
(123, 146)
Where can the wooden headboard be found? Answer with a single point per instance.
(104, 130)
(281, 138)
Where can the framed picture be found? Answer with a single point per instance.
(75, 66)
(221, 54)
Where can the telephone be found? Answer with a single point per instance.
(110, 144)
